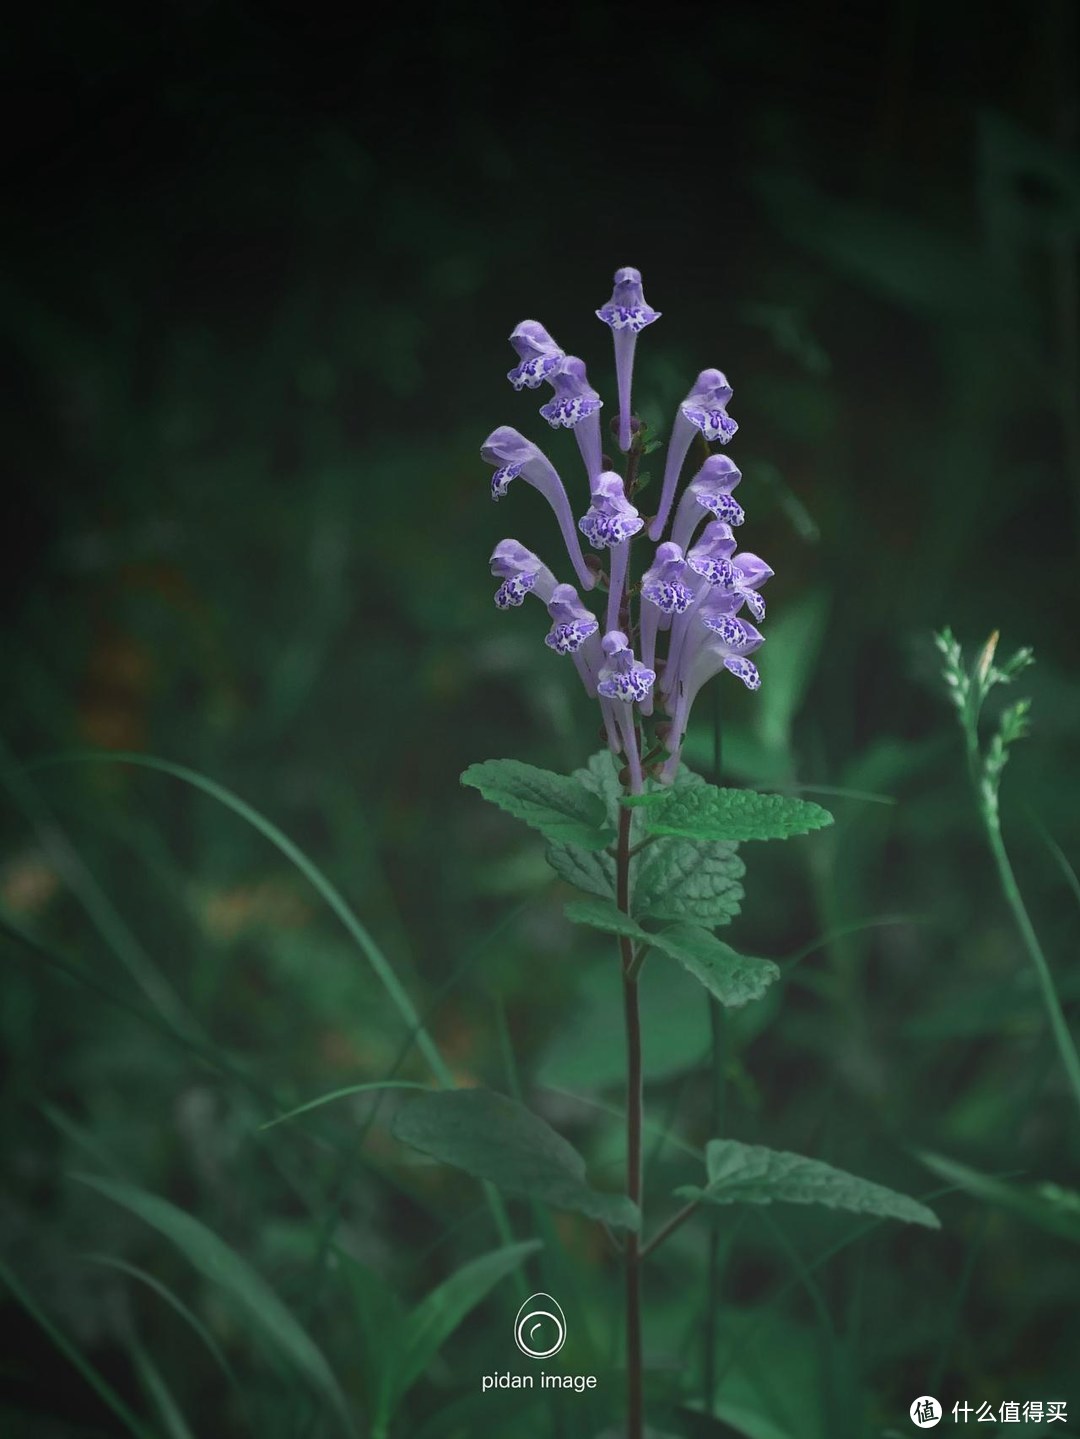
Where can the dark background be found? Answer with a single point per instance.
(258, 271)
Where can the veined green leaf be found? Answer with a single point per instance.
(734, 979)
(498, 1139)
(751, 1174)
(215, 1259)
(558, 805)
(704, 812)
(604, 914)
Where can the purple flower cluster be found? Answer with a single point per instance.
(692, 592)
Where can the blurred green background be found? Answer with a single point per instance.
(260, 267)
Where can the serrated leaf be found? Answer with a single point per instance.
(704, 812)
(591, 870)
(751, 1174)
(214, 1258)
(493, 1137)
(734, 979)
(679, 879)
(557, 805)
(436, 1317)
(605, 915)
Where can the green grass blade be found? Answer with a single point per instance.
(343, 1094)
(307, 868)
(101, 1386)
(175, 1302)
(158, 1392)
(215, 1259)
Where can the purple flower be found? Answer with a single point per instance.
(703, 410)
(711, 556)
(664, 583)
(576, 406)
(538, 352)
(622, 678)
(727, 650)
(611, 518)
(609, 523)
(521, 572)
(573, 622)
(709, 492)
(512, 455)
(627, 314)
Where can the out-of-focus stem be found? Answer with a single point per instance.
(634, 1105)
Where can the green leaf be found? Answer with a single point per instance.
(496, 1138)
(558, 805)
(734, 979)
(212, 1257)
(436, 1317)
(750, 1174)
(591, 870)
(1053, 1209)
(604, 914)
(704, 812)
(678, 879)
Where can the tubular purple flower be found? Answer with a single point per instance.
(609, 523)
(665, 593)
(522, 573)
(538, 352)
(751, 572)
(724, 647)
(709, 492)
(709, 559)
(512, 455)
(703, 410)
(627, 314)
(576, 407)
(624, 680)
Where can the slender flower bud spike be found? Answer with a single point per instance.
(512, 455)
(576, 407)
(522, 573)
(709, 492)
(703, 410)
(538, 352)
(627, 314)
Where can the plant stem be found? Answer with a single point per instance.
(632, 1254)
(1058, 1024)
(716, 1122)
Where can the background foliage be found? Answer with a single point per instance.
(258, 279)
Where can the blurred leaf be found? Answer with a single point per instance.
(436, 1317)
(795, 639)
(342, 1094)
(1052, 1209)
(751, 1174)
(558, 805)
(215, 1259)
(733, 816)
(495, 1138)
(153, 1382)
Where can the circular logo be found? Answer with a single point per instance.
(925, 1412)
(540, 1327)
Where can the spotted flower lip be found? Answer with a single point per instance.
(575, 399)
(522, 573)
(703, 410)
(611, 518)
(573, 623)
(538, 352)
(623, 678)
(513, 455)
(711, 556)
(627, 314)
(663, 583)
(709, 492)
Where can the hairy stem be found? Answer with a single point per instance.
(632, 1254)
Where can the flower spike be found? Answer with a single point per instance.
(512, 455)
(538, 352)
(703, 410)
(627, 314)
(576, 406)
